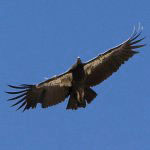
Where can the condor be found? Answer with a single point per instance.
(76, 83)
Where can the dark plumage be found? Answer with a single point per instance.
(78, 80)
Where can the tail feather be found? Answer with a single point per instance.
(72, 103)
(89, 95)
(75, 102)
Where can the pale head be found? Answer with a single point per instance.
(79, 60)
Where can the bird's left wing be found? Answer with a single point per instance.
(48, 93)
(103, 66)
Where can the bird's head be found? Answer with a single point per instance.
(79, 60)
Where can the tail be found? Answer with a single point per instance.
(74, 103)
(89, 95)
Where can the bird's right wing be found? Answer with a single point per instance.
(104, 65)
(48, 93)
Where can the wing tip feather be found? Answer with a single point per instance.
(22, 94)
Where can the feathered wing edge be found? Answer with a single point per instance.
(47, 93)
(125, 51)
(135, 34)
(24, 90)
(133, 39)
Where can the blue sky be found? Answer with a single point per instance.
(41, 38)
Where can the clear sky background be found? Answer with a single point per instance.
(42, 38)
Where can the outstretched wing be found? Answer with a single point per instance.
(103, 66)
(48, 93)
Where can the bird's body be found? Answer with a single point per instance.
(77, 89)
(77, 81)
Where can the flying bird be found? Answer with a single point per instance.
(76, 83)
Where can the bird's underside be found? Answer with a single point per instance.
(76, 83)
